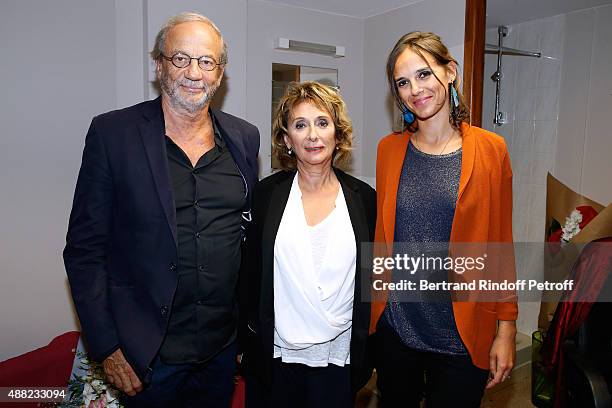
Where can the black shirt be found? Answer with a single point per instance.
(209, 200)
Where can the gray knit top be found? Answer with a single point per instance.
(426, 198)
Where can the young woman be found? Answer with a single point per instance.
(441, 180)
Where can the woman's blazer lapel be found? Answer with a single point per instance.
(355, 206)
(278, 201)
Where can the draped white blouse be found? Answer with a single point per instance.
(314, 284)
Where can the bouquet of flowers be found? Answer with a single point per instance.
(574, 223)
(87, 387)
(585, 221)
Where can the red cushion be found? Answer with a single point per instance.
(47, 366)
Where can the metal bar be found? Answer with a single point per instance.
(497, 76)
(494, 49)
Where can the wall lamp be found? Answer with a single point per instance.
(314, 48)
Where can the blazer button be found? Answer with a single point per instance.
(172, 266)
(164, 311)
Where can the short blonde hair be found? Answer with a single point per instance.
(323, 97)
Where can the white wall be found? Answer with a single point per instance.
(57, 72)
(131, 58)
(529, 95)
(443, 17)
(266, 22)
(584, 145)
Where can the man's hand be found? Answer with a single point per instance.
(503, 353)
(119, 373)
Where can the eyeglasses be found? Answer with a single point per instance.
(181, 60)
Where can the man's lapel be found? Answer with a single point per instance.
(152, 132)
(232, 136)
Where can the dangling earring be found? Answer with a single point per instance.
(408, 116)
(289, 151)
(454, 96)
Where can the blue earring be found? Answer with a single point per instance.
(408, 116)
(454, 96)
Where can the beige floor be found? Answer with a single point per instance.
(515, 392)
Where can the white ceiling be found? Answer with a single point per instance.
(351, 8)
(499, 12)
(507, 12)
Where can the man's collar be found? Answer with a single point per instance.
(218, 135)
(154, 110)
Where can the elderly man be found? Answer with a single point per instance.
(154, 239)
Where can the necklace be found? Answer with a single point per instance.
(443, 148)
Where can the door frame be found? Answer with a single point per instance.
(473, 57)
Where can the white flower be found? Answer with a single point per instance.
(89, 394)
(98, 385)
(572, 226)
(95, 389)
(112, 398)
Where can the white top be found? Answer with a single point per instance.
(314, 285)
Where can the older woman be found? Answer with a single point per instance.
(441, 180)
(307, 326)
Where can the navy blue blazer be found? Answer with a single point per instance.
(121, 245)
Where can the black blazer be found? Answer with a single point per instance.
(121, 249)
(269, 201)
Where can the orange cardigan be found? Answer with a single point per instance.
(483, 213)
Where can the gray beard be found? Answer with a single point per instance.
(171, 89)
